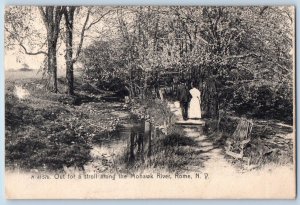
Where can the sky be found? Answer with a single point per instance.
(15, 58)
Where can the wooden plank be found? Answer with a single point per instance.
(161, 95)
(240, 138)
(234, 155)
(190, 122)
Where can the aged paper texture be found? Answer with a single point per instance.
(150, 102)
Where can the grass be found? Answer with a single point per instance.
(170, 153)
(48, 131)
(271, 142)
(176, 139)
(13, 75)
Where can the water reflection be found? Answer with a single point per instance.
(139, 143)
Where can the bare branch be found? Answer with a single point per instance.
(44, 17)
(98, 20)
(282, 12)
(19, 42)
(262, 10)
(242, 56)
(32, 53)
(82, 35)
(58, 15)
(85, 28)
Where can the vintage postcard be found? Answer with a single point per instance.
(150, 102)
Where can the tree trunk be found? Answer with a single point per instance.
(144, 94)
(130, 84)
(52, 63)
(210, 103)
(69, 17)
(51, 16)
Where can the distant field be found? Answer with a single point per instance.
(12, 75)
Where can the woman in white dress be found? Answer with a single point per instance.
(194, 111)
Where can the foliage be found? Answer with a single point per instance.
(156, 111)
(33, 150)
(102, 62)
(39, 138)
(270, 141)
(234, 54)
(241, 57)
(262, 101)
(45, 132)
(176, 139)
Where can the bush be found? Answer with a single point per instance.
(54, 149)
(175, 139)
(40, 138)
(262, 101)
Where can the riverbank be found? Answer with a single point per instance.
(48, 131)
(91, 132)
(54, 132)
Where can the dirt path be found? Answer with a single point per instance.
(214, 161)
(203, 156)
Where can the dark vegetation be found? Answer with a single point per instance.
(49, 131)
(173, 152)
(46, 126)
(240, 58)
(176, 139)
(234, 68)
(270, 141)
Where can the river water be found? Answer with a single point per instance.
(130, 146)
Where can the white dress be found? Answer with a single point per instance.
(194, 110)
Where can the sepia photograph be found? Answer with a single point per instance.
(150, 102)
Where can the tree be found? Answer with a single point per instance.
(249, 47)
(69, 21)
(233, 53)
(69, 14)
(51, 16)
(21, 31)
